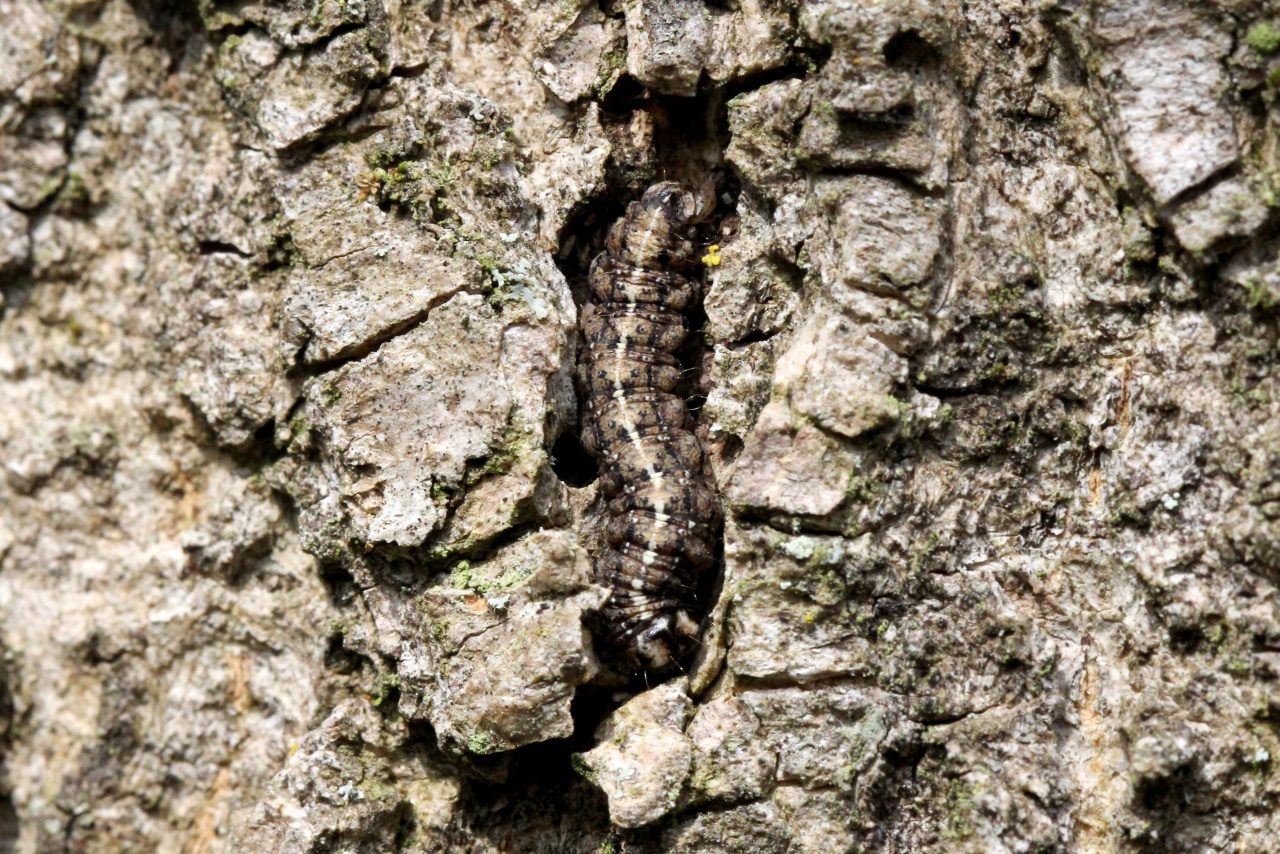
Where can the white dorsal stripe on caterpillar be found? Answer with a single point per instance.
(662, 509)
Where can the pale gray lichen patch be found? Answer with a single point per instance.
(410, 415)
(494, 655)
(223, 333)
(307, 92)
(643, 759)
(1162, 66)
(340, 781)
(294, 23)
(42, 59)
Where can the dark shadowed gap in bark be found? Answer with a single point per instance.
(571, 462)
(173, 25)
(536, 788)
(9, 820)
(557, 809)
(909, 50)
(626, 95)
(339, 582)
(686, 140)
(8, 825)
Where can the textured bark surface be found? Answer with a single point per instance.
(296, 535)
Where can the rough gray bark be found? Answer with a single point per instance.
(294, 550)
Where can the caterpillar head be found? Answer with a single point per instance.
(656, 233)
(665, 641)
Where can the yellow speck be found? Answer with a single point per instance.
(712, 258)
(293, 748)
(808, 618)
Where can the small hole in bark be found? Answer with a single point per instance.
(1185, 639)
(754, 337)
(571, 462)
(340, 659)
(624, 96)
(733, 446)
(214, 247)
(1165, 803)
(908, 48)
(1011, 39)
(341, 583)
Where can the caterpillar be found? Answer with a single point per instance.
(661, 508)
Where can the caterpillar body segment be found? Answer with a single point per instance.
(662, 509)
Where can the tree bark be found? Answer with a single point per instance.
(296, 529)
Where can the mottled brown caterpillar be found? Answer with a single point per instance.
(662, 511)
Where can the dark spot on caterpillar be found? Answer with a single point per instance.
(662, 509)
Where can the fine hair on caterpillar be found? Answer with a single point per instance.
(662, 511)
